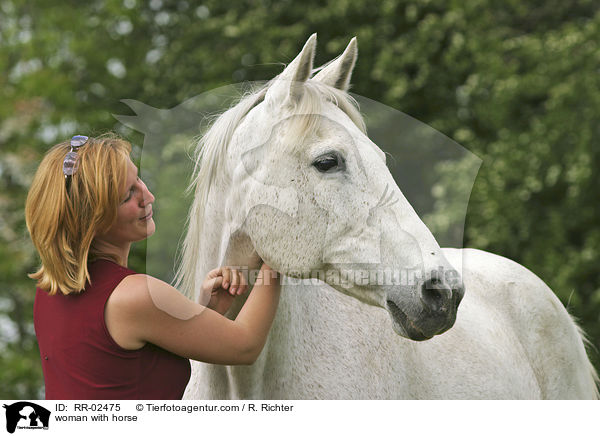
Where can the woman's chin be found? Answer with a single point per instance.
(150, 228)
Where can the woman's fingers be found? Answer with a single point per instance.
(212, 284)
(229, 278)
(235, 281)
(226, 272)
(216, 283)
(243, 283)
(209, 281)
(213, 273)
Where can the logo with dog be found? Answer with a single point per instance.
(26, 415)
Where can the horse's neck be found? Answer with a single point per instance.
(222, 245)
(254, 381)
(315, 327)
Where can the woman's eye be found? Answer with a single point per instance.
(129, 195)
(132, 190)
(327, 163)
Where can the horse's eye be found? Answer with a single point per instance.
(327, 163)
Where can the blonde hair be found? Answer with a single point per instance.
(63, 215)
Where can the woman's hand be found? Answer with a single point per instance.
(224, 284)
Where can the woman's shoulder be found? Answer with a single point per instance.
(141, 303)
(144, 295)
(131, 292)
(125, 310)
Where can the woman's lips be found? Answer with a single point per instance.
(147, 217)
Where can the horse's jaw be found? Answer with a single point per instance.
(238, 251)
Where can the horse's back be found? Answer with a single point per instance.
(551, 340)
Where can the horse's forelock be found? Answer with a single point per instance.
(305, 119)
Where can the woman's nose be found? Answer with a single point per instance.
(147, 196)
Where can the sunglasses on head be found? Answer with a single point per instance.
(71, 162)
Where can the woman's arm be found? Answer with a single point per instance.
(144, 309)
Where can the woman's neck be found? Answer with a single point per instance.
(121, 253)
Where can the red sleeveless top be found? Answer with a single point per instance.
(80, 359)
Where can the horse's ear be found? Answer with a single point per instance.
(338, 72)
(288, 86)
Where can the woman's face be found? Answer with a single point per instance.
(134, 215)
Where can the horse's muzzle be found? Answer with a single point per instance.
(433, 313)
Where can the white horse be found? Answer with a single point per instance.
(288, 175)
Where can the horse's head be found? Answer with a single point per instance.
(311, 195)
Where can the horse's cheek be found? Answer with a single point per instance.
(281, 240)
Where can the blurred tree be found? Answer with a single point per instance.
(514, 82)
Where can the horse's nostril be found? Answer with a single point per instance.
(435, 295)
(432, 298)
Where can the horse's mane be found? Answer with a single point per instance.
(211, 153)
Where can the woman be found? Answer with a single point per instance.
(104, 331)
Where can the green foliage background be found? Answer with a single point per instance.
(515, 82)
